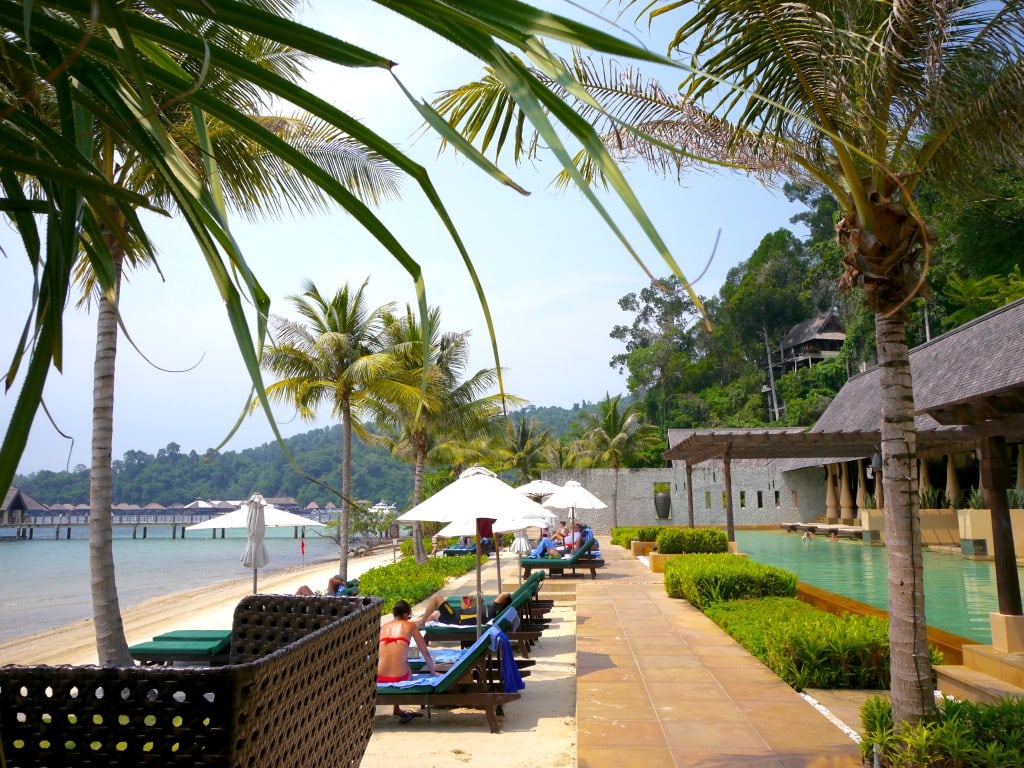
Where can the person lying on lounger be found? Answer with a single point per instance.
(393, 657)
(546, 546)
(441, 611)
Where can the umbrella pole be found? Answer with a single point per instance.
(479, 591)
(497, 562)
(254, 572)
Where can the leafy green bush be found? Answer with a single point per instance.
(706, 579)
(624, 535)
(691, 541)
(648, 532)
(407, 580)
(962, 734)
(407, 545)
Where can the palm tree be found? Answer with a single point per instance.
(614, 436)
(865, 100)
(523, 447)
(334, 357)
(423, 405)
(60, 54)
(257, 184)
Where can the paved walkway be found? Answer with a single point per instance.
(660, 686)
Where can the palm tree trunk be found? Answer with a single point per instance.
(912, 690)
(615, 497)
(346, 488)
(111, 645)
(417, 496)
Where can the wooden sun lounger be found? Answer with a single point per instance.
(580, 560)
(475, 682)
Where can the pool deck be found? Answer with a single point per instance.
(658, 685)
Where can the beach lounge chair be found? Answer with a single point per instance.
(471, 683)
(206, 647)
(509, 622)
(581, 559)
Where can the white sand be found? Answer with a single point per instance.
(538, 731)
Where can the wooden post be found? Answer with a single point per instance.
(995, 479)
(730, 525)
(689, 491)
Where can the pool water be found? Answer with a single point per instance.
(959, 593)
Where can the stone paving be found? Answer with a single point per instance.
(658, 685)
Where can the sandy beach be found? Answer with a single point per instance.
(545, 715)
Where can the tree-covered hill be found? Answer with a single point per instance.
(173, 477)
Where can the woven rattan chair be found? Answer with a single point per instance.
(299, 691)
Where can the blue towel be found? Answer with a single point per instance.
(513, 681)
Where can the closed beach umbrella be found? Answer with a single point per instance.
(255, 554)
(573, 496)
(255, 522)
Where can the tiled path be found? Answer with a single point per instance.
(660, 686)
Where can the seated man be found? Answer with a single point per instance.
(439, 610)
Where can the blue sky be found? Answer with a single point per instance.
(552, 270)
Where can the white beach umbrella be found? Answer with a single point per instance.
(539, 488)
(274, 517)
(573, 496)
(255, 554)
(478, 495)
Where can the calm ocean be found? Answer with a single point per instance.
(46, 582)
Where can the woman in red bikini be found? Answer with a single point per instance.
(393, 657)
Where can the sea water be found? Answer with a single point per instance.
(46, 581)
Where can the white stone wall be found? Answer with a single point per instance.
(755, 487)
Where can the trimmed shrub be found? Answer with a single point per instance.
(407, 580)
(407, 545)
(691, 541)
(705, 579)
(622, 536)
(648, 532)
(807, 647)
(962, 734)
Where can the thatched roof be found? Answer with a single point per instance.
(825, 325)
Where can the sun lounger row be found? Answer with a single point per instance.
(485, 673)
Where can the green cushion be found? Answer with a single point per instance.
(174, 649)
(196, 634)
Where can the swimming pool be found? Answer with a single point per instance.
(959, 593)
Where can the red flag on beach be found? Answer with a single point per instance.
(303, 546)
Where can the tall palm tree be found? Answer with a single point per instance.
(333, 356)
(113, 64)
(615, 434)
(865, 100)
(253, 182)
(523, 447)
(424, 402)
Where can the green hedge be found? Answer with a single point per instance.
(625, 535)
(692, 541)
(707, 579)
(409, 581)
(807, 647)
(963, 734)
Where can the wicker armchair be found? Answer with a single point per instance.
(299, 690)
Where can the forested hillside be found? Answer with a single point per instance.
(173, 477)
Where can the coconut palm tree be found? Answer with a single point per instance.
(424, 404)
(613, 436)
(523, 447)
(126, 66)
(333, 357)
(865, 100)
(253, 182)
